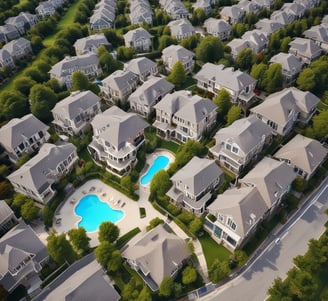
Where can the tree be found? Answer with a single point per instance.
(104, 252)
(218, 270)
(284, 46)
(198, 16)
(273, 78)
(190, 42)
(154, 223)
(131, 291)
(24, 84)
(29, 211)
(125, 53)
(244, 59)
(258, 72)
(189, 275)
(279, 291)
(80, 81)
(233, 114)
(306, 80)
(223, 102)
(13, 104)
(240, 257)
(299, 184)
(238, 29)
(3, 293)
(145, 294)
(167, 286)
(79, 240)
(178, 75)
(160, 184)
(108, 63)
(127, 183)
(165, 41)
(59, 248)
(5, 190)
(196, 225)
(108, 232)
(210, 49)
(42, 100)
(320, 125)
(115, 261)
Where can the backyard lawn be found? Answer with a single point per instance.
(212, 250)
(169, 145)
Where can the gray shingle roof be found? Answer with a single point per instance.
(119, 79)
(317, 33)
(5, 211)
(216, 25)
(177, 53)
(136, 34)
(268, 26)
(93, 41)
(305, 47)
(140, 65)
(288, 62)
(181, 27)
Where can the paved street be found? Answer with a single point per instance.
(276, 259)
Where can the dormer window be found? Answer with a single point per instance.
(231, 223)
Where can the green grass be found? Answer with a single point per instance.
(169, 145)
(126, 237)
(212, 250)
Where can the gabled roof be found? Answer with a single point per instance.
(268, 26)
(278, 106)
(157, 253)
(324, 20)
(303, 152)
(225, 77)
(288, 61)
(17, 45)
(173, 102)
(244, 205)
(271, 177)
(38, 173)
(280, 17)
(181, 27)
(13, 133)
(305, 46)
(294, 9)
(75, 104)
(197, 174)
(204, 4)
(116, 126)
(150, 90)
(233, 11)
(5, 211)
(217, 25)
(177, 53)
(94, 40)
(247, 133)
(119, 79)
(18, 243)
(317, 33)
(256, 36)
(136, 34)
(140, 65)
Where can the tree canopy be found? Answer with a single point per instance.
(59, 248)
(233, 114)
(79, 240)
(13, 104)
(178, 75)
(166, 288)
(189, 275)
(223, 102)
(108, 232)
(210, 49)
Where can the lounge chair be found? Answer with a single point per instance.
(123, 204)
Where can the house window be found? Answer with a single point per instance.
(41, 134)
(228, 147)
(221, 218)
(235, 150)
(231, 224)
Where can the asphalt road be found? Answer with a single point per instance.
(276, 259)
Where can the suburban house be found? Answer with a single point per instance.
(90, 43)
(308, 3)
(152, 91)
(7, 218)
(103, 15)
(303, 154)
(176, 53)
(23, 22)
(117, 136)
(45, 9)
(87, 63)
(249, 7)
(6, 60)
(213, 78)
(194, 184)
(174, 8)
(73, 114)
(206, 5)
(23, 135)
(281, 17)
(255, 40)
(140, 11)
(264, 3)
(22, 255)
(268, 26)
(83, 280)
(156, 254)
(119, 85)
(143, 67)
(181, 29)
(184, 116)
(319, 34)
(294, 10)
(304, 49)
(281, 110)
(240, 143)
(232, 14)
(19, 48)
(8, 32)
(218, 28)
(239, 210)
(139, 39)
(291, 66)
(35, 178)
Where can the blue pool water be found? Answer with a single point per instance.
(159, 163)
(93, 212)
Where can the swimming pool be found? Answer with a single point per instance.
(94, 211)
(159, 163)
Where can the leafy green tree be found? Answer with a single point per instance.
(145, 294)
(273, 78)
(299, 184)
(178, 75)
(35, 74)
(238, 29)
(306, 80)
(165, 41)
(125, 53)
(218, 270)
(190, 42)
(59, 248)
(233, 114)
(5, 190)
(131, 291)
(80, 81)
(154, 223)
(302, 284)
(115, 261)
(29, 211)
(104, 252)
(196, 226)
(320, 125)
(245, 59)
(24, 84)
(167, 287)
(22, 160)
(42, 100)
(79, 240)
(284, 44)
(13, 104)
(210, 49)
(198, 16)
(18, 201)
(108, 232)
(160, 184)
(127, 183)
(258, 72)
(223, 102)
(240, 257)
(279, 291)
(189, 275)
(3, 293)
